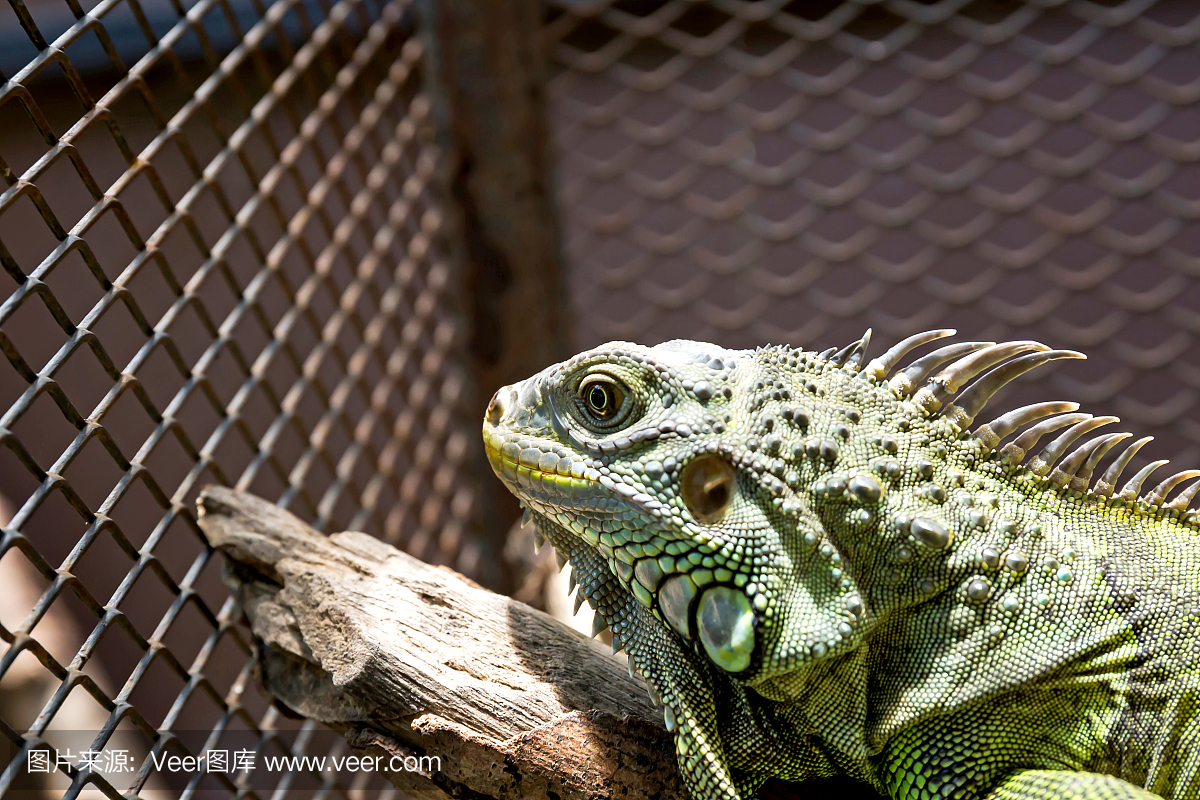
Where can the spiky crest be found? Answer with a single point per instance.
(938, 383)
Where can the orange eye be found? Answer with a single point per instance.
(602, 397)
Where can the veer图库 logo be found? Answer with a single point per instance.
(126, 755)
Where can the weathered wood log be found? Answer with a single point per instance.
(415, 664)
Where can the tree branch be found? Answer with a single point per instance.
(411, 660)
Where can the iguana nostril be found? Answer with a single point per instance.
(496, 408)
(707, 486)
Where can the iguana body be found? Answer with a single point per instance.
(820, 571)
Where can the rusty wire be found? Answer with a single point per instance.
(221, 227)
(254, 293)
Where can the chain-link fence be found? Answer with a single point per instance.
(222, 243)
(750, 172)
(288, 245)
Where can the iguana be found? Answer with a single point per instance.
(821, 570)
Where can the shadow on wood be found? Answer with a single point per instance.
(478, 695)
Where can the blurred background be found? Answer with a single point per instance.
(293, 246)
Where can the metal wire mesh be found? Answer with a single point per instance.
(773, 171)
(220, 223)
(220, 231)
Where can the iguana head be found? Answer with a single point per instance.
(740, 497)
(674, 463)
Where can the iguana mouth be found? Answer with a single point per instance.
(540, 467)
(506, 461)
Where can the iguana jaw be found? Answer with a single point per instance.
(679, 670)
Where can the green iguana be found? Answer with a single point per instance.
(819, 570)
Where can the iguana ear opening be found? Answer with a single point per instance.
(707, 486)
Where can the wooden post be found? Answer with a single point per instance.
(487, 83)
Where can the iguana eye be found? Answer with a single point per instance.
(602, 397)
